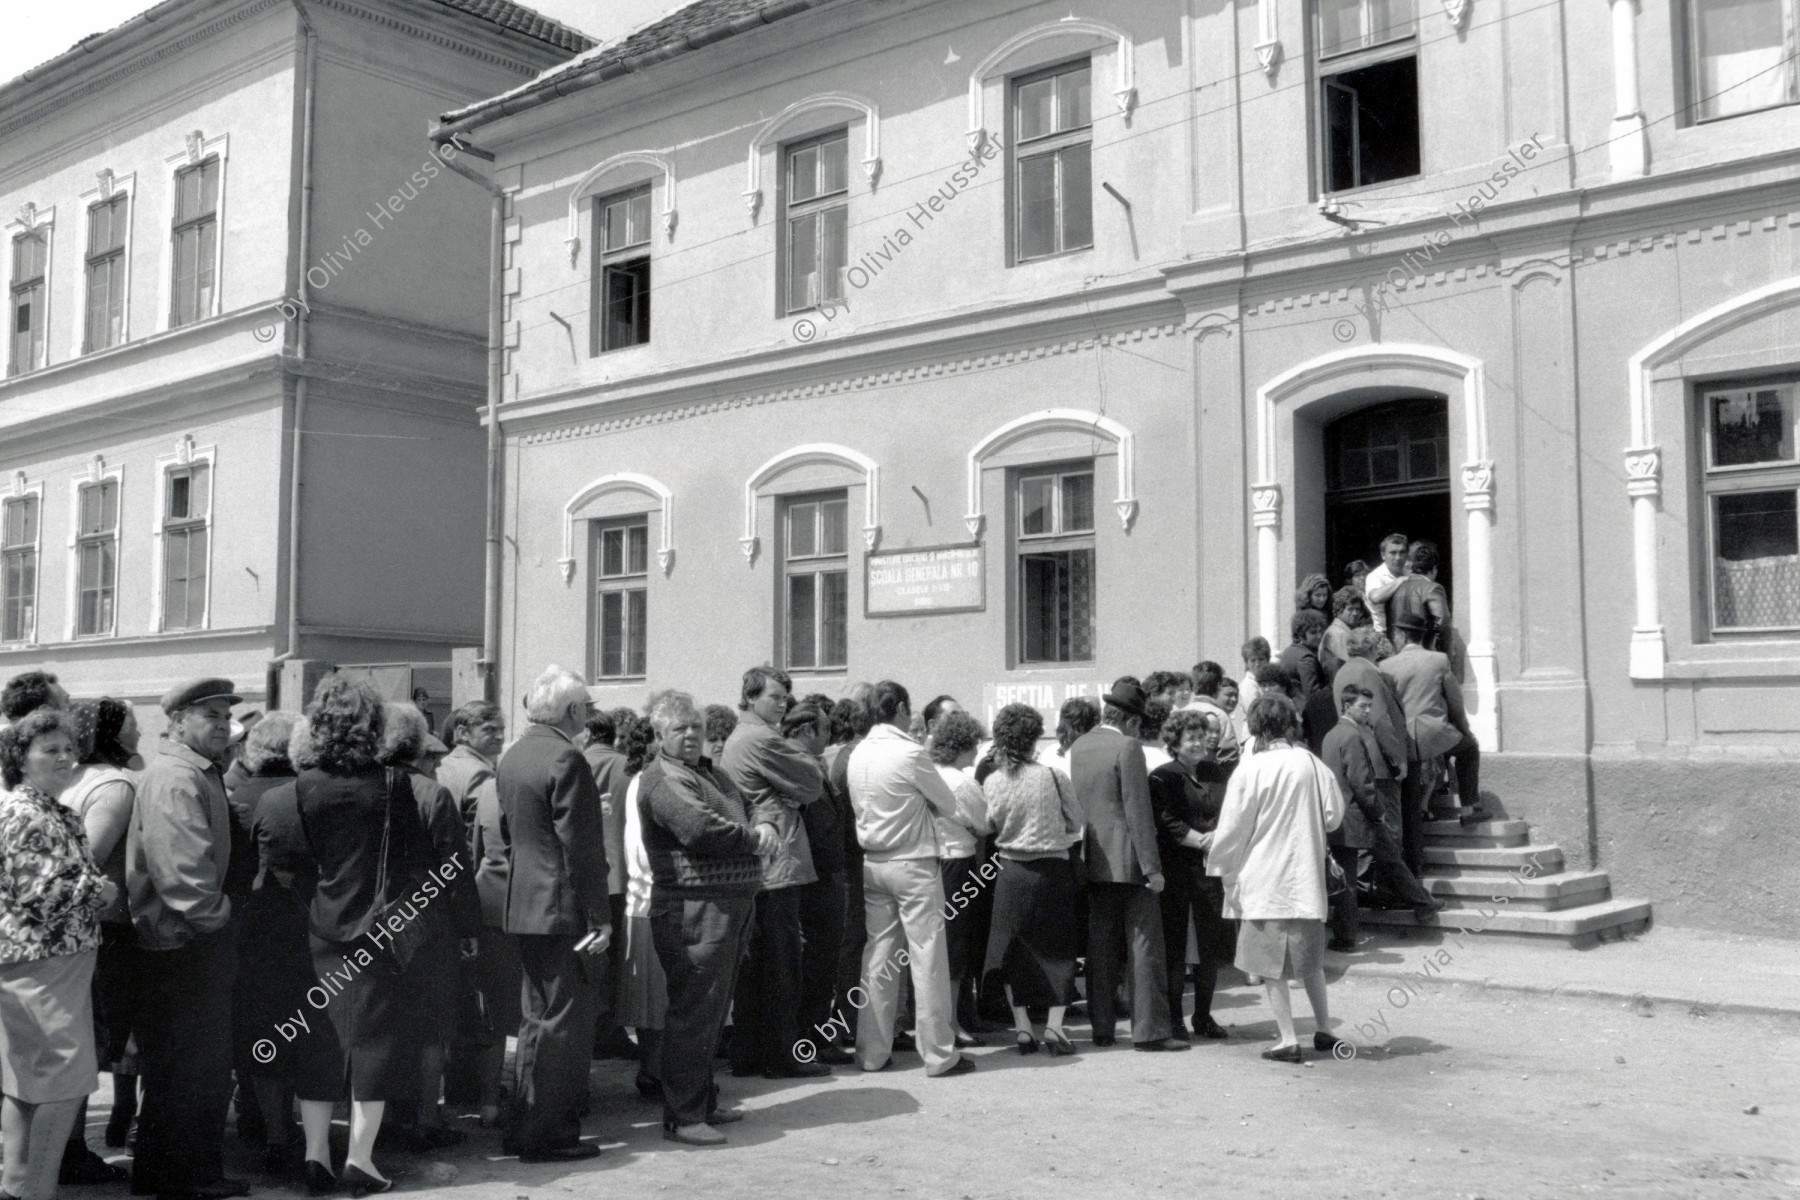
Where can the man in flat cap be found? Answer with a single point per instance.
(177, 852)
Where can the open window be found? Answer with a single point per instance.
(621, 300)
(1367, 63)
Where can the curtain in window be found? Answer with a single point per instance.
(1741, 46)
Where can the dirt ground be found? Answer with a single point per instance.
(1464, 1093)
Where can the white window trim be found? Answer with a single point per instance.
(786, 126)
(997, 67)
(186, 454)
(198, 148)
(98, 471)
(32, 219)
(1053, 419)
(622, 481)
(21, 489)
(811, 453)
(645, 165)
(108, 187)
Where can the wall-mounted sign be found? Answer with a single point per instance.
(930, 580)
(1045, 695)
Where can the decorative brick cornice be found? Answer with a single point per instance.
(956, 366)
(139, 63)
(457, 45)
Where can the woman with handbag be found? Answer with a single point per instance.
(1032, 941)
(362, 825)
(1270, 850)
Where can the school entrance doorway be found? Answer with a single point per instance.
(1387, 470)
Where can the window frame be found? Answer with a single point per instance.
(1688, 30)
(1053, 143)
(187, 456)
(1329, 69)
(117, 256)
(1058, 540)
(622, 583)
(80, 541)
(32, 550)
(817, 565)
(606, 260)
(1712, 482)
(209, 225)
(792, 210)
(37, 352)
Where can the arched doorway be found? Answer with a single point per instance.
(1387, 470)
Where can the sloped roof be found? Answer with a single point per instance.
(503, 13)
(692, 27)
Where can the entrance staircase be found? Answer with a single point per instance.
(1500, 884)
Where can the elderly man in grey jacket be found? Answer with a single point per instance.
(177, 852)
(777, 779)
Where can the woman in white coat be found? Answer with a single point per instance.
(1270, 850)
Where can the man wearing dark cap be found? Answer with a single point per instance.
(177, 853)
(1124, 872)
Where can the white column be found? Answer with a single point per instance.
(1629, 142)
(1265, 515)
(1643, 483)
(1478, 504)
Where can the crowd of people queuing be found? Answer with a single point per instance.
(340, 906)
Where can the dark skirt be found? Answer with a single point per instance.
(115, 998)
(1033, 939)
(277, 994)
(375, 1011)
(437, 979)
(968, 903)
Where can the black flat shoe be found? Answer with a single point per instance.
(554, 1154)
(968, 1041)
(1210, 1028)
(361, 1183)
(1292, 1054)
(319, 1179)
(964, 1066)
(1325, 1043)
(1058, 1042)
(1167, 1044)
(1104, 1040)
(86, 1167)
(905, 1041)
(1027, 1042)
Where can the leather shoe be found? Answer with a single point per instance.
(724, 1116)
(799, 1070)
(905, 1041)
(575, 1152)
(1168, 1043)
(1104, 1039)
(1325, 1043)
(1292, 1054)
(964, 1066)
(968, 1041)
(87, 1167)
(694, 1135)
(1210, 1028)
(835, 1055)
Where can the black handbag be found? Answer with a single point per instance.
(398, 933)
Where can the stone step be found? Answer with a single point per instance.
(1540, 893)
(1527, 859)
(1482, 833)
(1585, 925)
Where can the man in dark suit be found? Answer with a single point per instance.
(1124, 873)
(557, 908)
(1438, 726)
(610, 780)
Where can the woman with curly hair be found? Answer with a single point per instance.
(51, 897)
(1032, 942)
(1185, 795)
(362, 824)
(103, 796)
(955, 736)
(1314, 592)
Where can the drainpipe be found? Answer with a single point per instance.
(490, 597)
(302, 315)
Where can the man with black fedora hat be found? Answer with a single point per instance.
(177, 852)
(1124, 872)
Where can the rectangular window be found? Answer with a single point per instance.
(18, 569)
(187, 500)
(1055, 548)
(621, 572)
(1751, 482)
(817, 198)
(621, 299)
(1368, 68)
(105, 322)
(1053, 144)
(96, 558)
(816, 599)
(196, 242)
(30, 258)
(1743, 56)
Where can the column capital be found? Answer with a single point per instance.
(1265, 505)
(1643, 472)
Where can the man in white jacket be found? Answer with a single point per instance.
(895, 789)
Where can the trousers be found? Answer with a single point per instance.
(699, 944)
(822, 935)
(903, 905)
(556, 1043)
(184, 1045)
(766, 1008)
(1124, 919)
